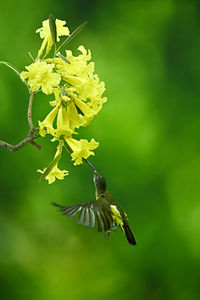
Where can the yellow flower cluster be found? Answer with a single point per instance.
(78, 96)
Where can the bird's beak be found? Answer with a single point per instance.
(91, 166)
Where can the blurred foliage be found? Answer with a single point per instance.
(147, 52)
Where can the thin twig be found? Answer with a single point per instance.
(29, 114)
(21, 144)
(15, 70)
(31, 137)
(35, 144)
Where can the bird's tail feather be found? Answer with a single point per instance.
(129, 235)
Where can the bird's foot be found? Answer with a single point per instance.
(112, 229)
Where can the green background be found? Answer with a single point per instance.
(147, 52)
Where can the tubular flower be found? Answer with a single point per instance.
(45, 34)
(40, 74)
(55, 172)
(63, 125)
(48, 122)
(81, 149)
(80, 112)
(74, 117)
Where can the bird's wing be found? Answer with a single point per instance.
(88, 213)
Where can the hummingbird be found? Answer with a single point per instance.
(107, 213)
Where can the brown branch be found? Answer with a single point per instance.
(31, 137)
(29, 113)
(21, 144)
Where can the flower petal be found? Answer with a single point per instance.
(81, 149)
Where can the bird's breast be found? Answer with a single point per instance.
(117, 218)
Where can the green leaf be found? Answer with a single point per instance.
(14, 69)
(74, 33)
(63, 58)
(50, 167)
(52, 26)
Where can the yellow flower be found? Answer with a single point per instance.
(63, 126)
(84, 107)
(74, 117)
(57, 100)
(81, 149)
(55, 172)
(45, 34)
(48, 122)
(83, 110)
(78, 66)
(91, 88)
(40, 74)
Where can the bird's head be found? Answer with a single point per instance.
(99, 182)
